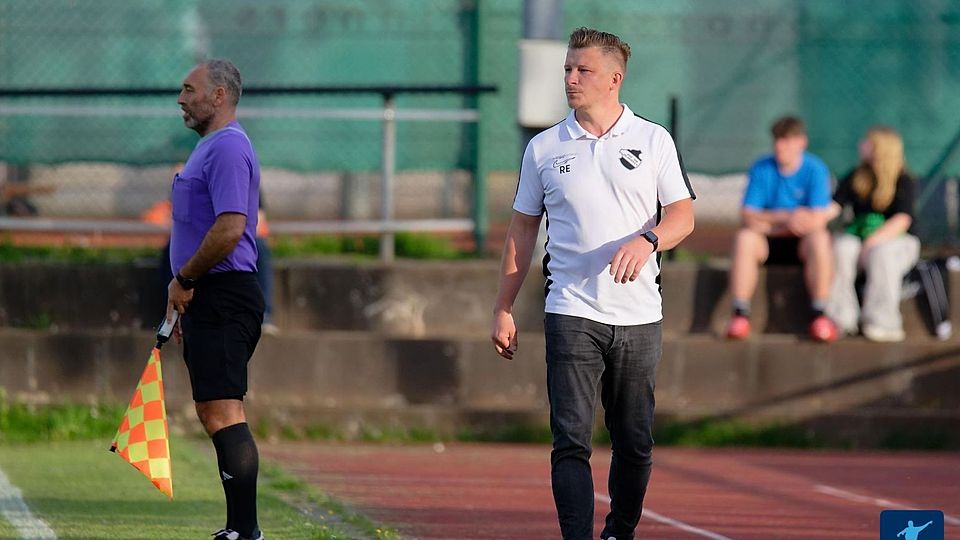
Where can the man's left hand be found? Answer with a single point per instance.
(629, 260)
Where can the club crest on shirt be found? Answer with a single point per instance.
(630, 158)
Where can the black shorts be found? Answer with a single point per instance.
(784, 251)
(221, 329)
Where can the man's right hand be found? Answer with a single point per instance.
(504, 334)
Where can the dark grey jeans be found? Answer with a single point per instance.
(623, 359)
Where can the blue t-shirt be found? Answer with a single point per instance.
(767, 189)
(221, 175)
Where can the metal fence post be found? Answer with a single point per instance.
(389, 163)
(479, 209)
(673, 111)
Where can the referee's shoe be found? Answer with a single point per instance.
(227, 534)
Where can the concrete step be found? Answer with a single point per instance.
(345, 376)
(408, 298)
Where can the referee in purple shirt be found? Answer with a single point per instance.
(213, 257)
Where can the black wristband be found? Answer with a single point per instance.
(186, 282)
(651, 237)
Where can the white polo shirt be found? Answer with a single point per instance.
(598, 193)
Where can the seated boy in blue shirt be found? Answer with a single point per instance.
(784, 220)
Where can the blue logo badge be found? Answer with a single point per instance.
(911, 525)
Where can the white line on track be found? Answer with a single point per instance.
(14, 510)
(670, 521)
(866, 499)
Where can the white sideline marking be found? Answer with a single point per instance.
(670, 521)
(16, 512)
(883, 503)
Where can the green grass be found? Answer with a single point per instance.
(299, 494)
(717, 433)
(288, 246)
(7, 530)
(706, 433)
(680, 254)
(398, 435)
(39, 321)
(407, 245)
(933, 439)
(73, 254)
(266, 428)
(84, 492)
(422, 246)
(20, 422)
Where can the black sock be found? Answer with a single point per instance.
(239, 463)
(227, 494)
(818, 307)
(741, 308)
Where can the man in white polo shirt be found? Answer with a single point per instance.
(614, 192)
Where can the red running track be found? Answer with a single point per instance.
(487, 491)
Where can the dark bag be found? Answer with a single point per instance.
(928, 282)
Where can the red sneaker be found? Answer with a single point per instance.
(739, 328)
(823, 329)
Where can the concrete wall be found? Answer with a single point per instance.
(406, 345)
(409, 298)
(353, 378)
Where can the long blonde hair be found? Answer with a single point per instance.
(876, 177)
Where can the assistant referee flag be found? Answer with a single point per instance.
(143, 438)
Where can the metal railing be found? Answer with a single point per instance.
(389, 115)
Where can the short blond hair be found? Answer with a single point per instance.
(584, 37)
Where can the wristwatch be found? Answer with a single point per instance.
(651, 237)
(185, 282)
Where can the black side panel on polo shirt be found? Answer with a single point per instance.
(659, 253)
(546, 259)
(683, 170)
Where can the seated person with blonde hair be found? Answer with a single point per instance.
(876, 199)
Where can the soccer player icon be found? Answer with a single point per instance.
(910, 532)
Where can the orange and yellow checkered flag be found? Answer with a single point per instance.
(143, 439)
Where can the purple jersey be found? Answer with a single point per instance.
(221, 175)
